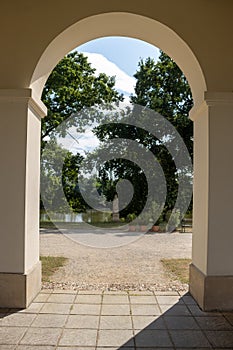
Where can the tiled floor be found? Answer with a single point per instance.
(68, 320)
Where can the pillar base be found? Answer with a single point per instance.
(211, 292)
(19, 290)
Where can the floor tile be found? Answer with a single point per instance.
(142, 292)
(148, 322)
(139, 309)
(41, 298)
(46, 291)
(61, 298)
(199, 348)
(168, 300)
(115, 310)
(35, 347)
(115, 338)
(7, 336)
(196, 311)
(49, 320)
(53, 308)
(156, 348)
(115, 292)
(82, 321)
(85, 309)
(117, 348)
(176, 310)
(153, 338)
(214, 322)
(88, 299)
(17, 319)
(181, 322)
(90, 292)
(188, 300)
(75, 348)
(188, 325)
(183, 292)
(168, 293)
(115, 299)
(115, 322)
(64, 291)
(189, 339)
(33, 308)
(220, 338)
(78, 337)
(229, 317)
(41, 336)
(143, 299)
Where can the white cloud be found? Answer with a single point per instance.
(87, 141)
(124, 82)
(79, 142)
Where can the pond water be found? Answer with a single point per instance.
(89, 216)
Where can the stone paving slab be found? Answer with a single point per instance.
(108, 321)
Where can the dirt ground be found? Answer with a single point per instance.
(134, 266)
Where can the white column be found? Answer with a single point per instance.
(20, 270)
(211, 272)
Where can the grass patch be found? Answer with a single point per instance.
(177, 268)
(50, 264)
(78, 225)
(47, 224)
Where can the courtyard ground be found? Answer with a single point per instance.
(135, 266)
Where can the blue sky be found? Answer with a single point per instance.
(124, 52)
(115, 56)
(118, 56)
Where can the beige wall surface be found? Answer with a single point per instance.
(35, 35)
(28, 27)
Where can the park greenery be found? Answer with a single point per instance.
(72, 87)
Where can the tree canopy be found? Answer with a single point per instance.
(160, 86)
(72, 86)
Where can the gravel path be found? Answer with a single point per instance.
(133, 266)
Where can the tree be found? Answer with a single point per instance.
(163, 88)
(72, 87)
(59, 173)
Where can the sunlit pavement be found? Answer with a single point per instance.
(68, 320)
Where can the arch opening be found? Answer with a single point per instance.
(126, 25)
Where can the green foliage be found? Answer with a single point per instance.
(72, 87)
(130, 217)
(50, 264)
(60, 169)
(177, 269)
(163, 88)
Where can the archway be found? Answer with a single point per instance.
(107, 24)
(207, 270)
(121, 24)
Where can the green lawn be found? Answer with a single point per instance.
(76, 225)
(177, 268)
(50, 264)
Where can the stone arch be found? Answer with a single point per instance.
(121, 24)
